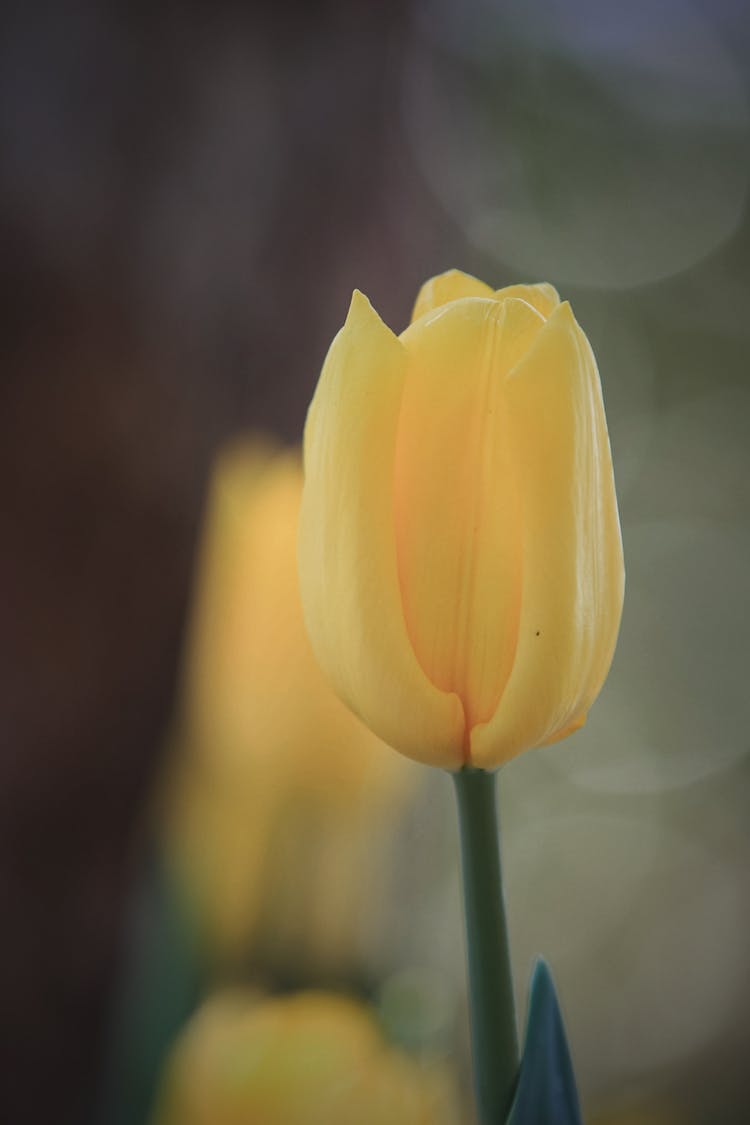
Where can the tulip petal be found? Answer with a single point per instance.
(347, 551)
(543, 297)
(573, 576)
(449, 286)
(456, 497)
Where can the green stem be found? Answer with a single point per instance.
(494, 1038)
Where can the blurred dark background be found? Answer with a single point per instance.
(188, 195)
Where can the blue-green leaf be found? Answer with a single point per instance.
(546, 1092)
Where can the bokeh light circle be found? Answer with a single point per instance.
(583, 143)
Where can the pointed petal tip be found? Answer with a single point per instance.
(359, 306)
(563, 312)
(562, 322)
(363, 315)
(549, 290)
(567, 319)
(455, 275)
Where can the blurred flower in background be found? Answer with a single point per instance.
(280, 816)
(309, 1059)
(281, 805)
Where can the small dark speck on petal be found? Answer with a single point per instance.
(537, 632)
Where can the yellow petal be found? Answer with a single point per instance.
(448, 286)
(347, 551)
(456, 497)
(573, 574)
(543, 297)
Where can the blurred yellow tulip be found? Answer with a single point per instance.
(308, 1059)
(460, 554)
(280, 794)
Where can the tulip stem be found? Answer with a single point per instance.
(494, 1038)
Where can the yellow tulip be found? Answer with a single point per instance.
(308, 1059)
(460, 554)
(279, 797)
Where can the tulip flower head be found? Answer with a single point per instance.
(460, 555)
(307, 1059)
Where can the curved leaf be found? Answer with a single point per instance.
(546, 1093)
